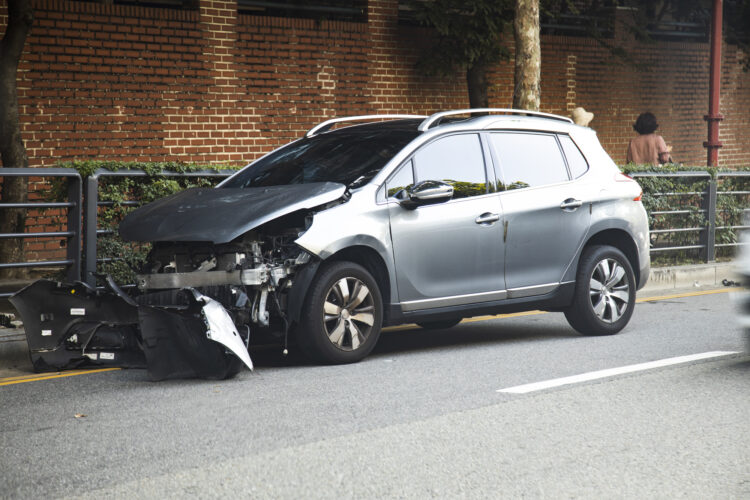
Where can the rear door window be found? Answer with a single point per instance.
(528, 159)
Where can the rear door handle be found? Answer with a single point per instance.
(571, 204)
(487, 218)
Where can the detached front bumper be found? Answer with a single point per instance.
(75, 325)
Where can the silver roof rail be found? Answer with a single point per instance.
(434, 119)
(322, 127)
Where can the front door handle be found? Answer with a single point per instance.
(487, 218)
(571, 204)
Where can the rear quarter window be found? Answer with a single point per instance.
(576, 162)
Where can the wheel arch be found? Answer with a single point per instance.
(621, 240)
(365, 256)
(370, 259)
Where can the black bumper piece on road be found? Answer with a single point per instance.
(75, 326)
(176, 345)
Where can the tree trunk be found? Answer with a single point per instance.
(476, 81)
(527, 90)
(12, 150)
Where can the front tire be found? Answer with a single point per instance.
(605, 292)
(342, 318)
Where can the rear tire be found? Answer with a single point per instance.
(604, 297)
(342, 318)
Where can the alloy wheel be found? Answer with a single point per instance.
(609, 290)
(348, 313)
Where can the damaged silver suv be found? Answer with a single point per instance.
(403, 219)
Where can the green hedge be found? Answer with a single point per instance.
(127, 257)
(729, 209)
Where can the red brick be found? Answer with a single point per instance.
(127, 82)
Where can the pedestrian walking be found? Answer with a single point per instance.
(648, 148)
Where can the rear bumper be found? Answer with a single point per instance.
(645, 271)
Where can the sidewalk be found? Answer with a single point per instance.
(14, 351)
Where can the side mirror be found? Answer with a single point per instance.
(427, 193)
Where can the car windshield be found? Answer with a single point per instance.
(352, 158)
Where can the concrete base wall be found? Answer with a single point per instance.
(694, 276)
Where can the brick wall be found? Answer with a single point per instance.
(124, 82)
(673, 84)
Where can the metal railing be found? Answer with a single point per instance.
(92, 204)
(705, 240)
(83, 211)
(74, 212)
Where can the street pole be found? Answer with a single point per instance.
(714, 87)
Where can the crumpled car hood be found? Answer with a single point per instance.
(220, 215)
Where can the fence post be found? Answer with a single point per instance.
(708, 240)
(75, 196)
(89, 239)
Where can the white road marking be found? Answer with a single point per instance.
(611, 372)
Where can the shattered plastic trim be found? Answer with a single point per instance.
(221, 328)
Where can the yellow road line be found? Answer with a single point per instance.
(398, 328)
(503, 316)
(48, 376)
(412, 326)
(688, 294)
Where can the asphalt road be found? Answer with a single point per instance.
(421, 417)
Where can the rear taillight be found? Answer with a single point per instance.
(620, 177)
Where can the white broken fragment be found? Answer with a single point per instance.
(221, 328)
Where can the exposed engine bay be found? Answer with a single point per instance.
(250, 276)
(196, 305)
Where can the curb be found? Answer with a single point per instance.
(692, 276)
(14, 352)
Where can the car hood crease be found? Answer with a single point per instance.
(219, 215)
